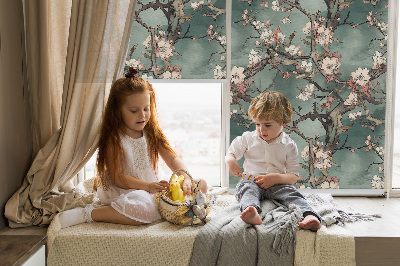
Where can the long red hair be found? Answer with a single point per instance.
(113, 126)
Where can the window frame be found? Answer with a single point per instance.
(225, 124)
(225, 118)
(392, 87)
(392, 60)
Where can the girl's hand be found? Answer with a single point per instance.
(187, 186)
(155, 187)
(265, 181)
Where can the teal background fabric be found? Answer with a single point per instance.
(333, 72)
(179, 39)
(328, 57)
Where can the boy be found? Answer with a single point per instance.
(271, 157)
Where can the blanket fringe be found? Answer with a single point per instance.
(349, 217)
(288, 225)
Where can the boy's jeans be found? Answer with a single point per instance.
(248, 193)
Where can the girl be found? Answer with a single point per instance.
(131, 142)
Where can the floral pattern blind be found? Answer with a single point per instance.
(329, 59)
(179, 39)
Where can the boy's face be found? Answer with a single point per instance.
(268, 129)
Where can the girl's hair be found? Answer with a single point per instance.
(271, 105)
(112, 125)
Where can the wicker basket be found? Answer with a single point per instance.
(176, 212)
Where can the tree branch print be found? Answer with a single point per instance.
(309, 55)
(163, 38)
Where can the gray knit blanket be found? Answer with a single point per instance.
(227, 240)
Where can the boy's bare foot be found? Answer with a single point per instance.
(250, 216)
(310, 222)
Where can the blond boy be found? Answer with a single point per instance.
(271, 157)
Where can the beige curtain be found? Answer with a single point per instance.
(98, 37)
(46, 38)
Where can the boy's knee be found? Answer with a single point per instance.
(246, 187)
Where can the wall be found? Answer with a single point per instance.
(15, 131)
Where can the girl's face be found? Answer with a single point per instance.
(268, 130)
(136, 113)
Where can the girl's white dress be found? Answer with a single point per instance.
(138, 205)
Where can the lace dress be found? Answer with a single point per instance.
(138, 205)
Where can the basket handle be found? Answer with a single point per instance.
(186, 172)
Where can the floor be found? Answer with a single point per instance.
(387, 226)
(377, 242)
(32, 230)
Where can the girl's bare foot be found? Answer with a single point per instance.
(250, 216)
(310, 222)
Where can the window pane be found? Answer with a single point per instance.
(190, 116)
(396, 151)
(396, 142)
(90, 167)
(396, 135)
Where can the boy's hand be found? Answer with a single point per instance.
(154, 187)
(266, 181)
(234, 169)
(233, 165)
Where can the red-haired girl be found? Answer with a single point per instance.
(131, 142)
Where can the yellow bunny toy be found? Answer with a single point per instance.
(175, 187)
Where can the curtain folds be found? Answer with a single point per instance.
(46, 35)
(97, 42)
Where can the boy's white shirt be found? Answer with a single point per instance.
(280, 156)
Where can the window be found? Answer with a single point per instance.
(190, 115)
(90, 167)
(396, 107)
(396, 148)
(396, 130)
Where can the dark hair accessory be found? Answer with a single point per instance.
(131, 72)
